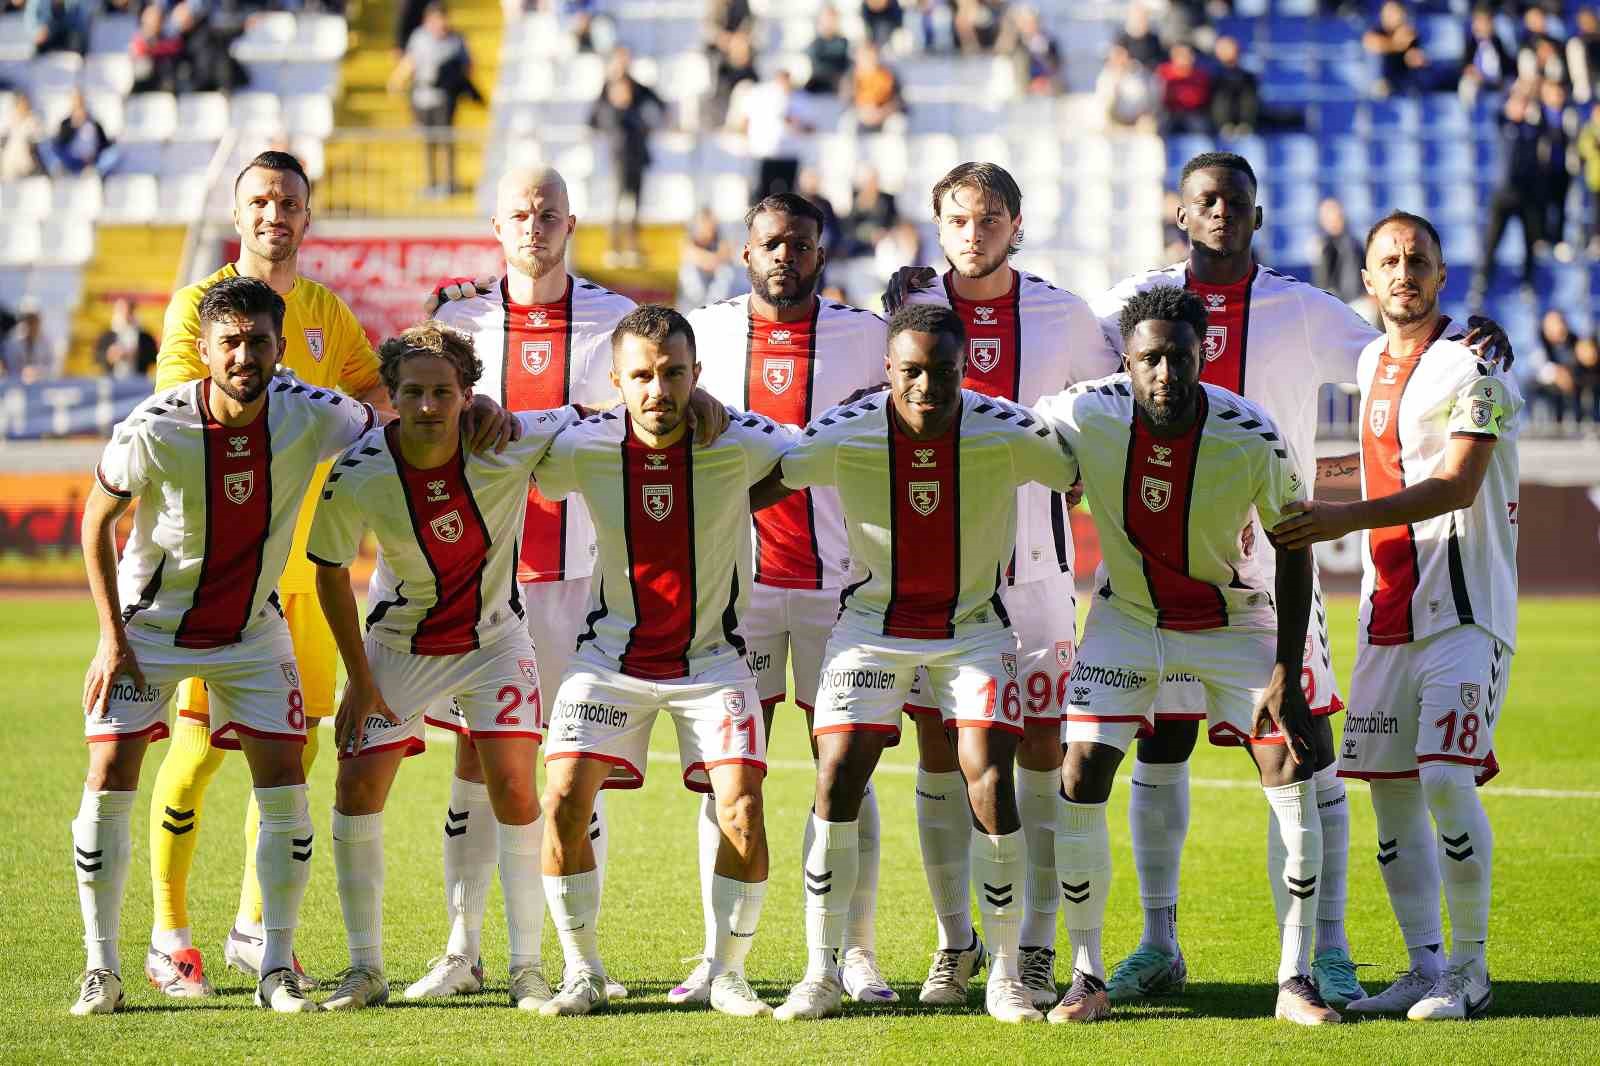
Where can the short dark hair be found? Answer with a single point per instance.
(1402, 216)
(787, 203)
(1219, 161)
(274, 161)
(431, 338)
(241, 296)
(1163, 303)
(654, 323)
(936, 319)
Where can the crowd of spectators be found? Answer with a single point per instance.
(1177, 81)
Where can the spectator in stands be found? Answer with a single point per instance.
(625, 115)
(1337, 259)
(125, 349)
(777, 122)
(873, 213)
(735, 66)
(1583, 55)
(1539, 53)
(881, 19)
(829, 52)
(28, 354)
(706, 271)
(726, 19)
(837, 294)
(1551, 373)
(19, 156)
(900, 245)
(1139, 39)
(1519, 192)
(1560, 128)
(1589, 153)
(875, 92)
(977, 24)
(1586, 372)
(156, 52)
(1126, 91)
(407, 17)
(1235, 92)
(207, 30)
(1398, 46)
(59, 25)
(79, 144)
(438, 70)
(1185, 92)
(1040, 69)
(809, 185)
(1486, 62)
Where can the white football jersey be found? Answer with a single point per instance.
(1031, 343)
(217, 504)
(932, 523)
(1458, 568)
(792, 372)
(674, 568)
(447, 536)
(536, 358)
(1169, 509)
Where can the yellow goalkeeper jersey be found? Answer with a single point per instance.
(325, 347)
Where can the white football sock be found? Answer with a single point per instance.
(1294, 866)
(523, 886)
(998, 870)
(1037, 793)
(737, 907)
(1158, 821)
(829, 876)
(859, 928)
(1408, 859)
(470, 843)
(170, 940)
(574, 902)
(283, 866)
(944, 826)
(1083, 861)
(708, 839)
(1333, 809)
(102, 850)
(358, 867)
(1466, 850)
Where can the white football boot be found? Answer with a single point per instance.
(529, 989)
(732, 994)
(950, 973)
(448, 975)
(582, 992)
(862, 980)
(280, 990)
(100, 993)
(356, 988)
(1008, 1000)
(814, 997)
(1406, 992)
(696, 988)
(1461, 992)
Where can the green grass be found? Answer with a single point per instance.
(1545, 942)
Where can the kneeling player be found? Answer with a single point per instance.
(218, 467)
(1438, 614)
(1172, 469)
(672, 520)
(447, 525)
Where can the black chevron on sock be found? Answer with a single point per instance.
(999, 895)
(1301, 888)
(450, 818)
(1388, 851)
(1455, 842)
(182, 816)
(1075, 893)
(300, 847)
(819, 884)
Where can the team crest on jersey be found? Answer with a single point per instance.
(1009, 661)
(436, 492)
(733, 700)
(239, 487)
(1155, 493)
(447, 527)
(922, 458)
(535, 356)
(1216, 343)
(924, 496)
(985, 353)
(1470, 695)
(238, 447)
(777, 374)
(538, 319)
(1160, 455)
(1378, 417)
(983, 315)
(289, 674)
(529, 670)
(1482, 412)
(780, 336)
(314, 343)
(1063, 653)
(658, 501)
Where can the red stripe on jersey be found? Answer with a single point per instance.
(994, 339)
(238, 516)
(1157, 491)
(537, 376)
(455, 542)
(1227, 329)
(924, 533)
(780, 359)
(658, 522)
(1393, 548)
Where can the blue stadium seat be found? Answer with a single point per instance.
(1400, 195)
(1452, 203)
(1289, 202)
(1346, 158)
(1399, 113)
(1449, 158)
(1332, 117)
(1292, 155)
(1442, 113)
(1397, 158)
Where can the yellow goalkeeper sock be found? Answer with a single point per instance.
(249, 916)
(176, 804)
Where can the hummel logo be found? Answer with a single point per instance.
(300, 848)
(1301, 888)
(176, 816)
(238, 447)
(922, 457)
(1075, 893)
(94, 856)
(998, 895)
(1458, 848)
(1216, 301)
(1388, 851)
(817, 884)
(655, 461)
(984, 315)
(455, 823)
(780, 336)
(436, 492)
(538, 319)
(1162, 455)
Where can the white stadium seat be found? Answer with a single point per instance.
(13, 285)
(181, 197)
(19, 241)
(324, 37)
(79, 197)
(111, 72)
(111, 34)
(54, 72)
(202, 116)
(67, 240)
(130, 198)
(309, 113)
(254, 109)
(15, 40)
(310, 152)
(107, 109)
(26, 198)
(60, 287)
(150, 117)
(267, 36)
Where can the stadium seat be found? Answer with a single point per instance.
(312, 155)
(111, 34)
(67, 240)
(129, 198)
(150, 117)
(309, 113)
(79, 197)
(107, 110)
(110, 72)
(267, 36)
(1442, 114)
(255, 109)
(321, 37)
(182, 155)
(16, 43)
(1448, 158)
(1398, 158)
(1292, 155)
(203, 116)
(181, 198)
(13, 285)
(730, 196)
(25, 198)
(54, 72)
(57, 286)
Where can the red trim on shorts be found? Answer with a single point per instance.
(156, 731)
(412, 745)
(1460, 759)
(980, 723)
(494, 734)
(707, 767)
(1227, 735)
(451, 726)
(1377, 775)
(856, 727)
(222, 738)
(614, 760)
(1180, 716)
(196, 716)
(916, 708)
(1043, 719)
(772, 701)
(804, 706)
(1332, 707)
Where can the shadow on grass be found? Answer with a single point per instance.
(1512, 999)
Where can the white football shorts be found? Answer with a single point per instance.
(788, 626)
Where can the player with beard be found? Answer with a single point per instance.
(782, 352)
(326, 348)
(1175, 597)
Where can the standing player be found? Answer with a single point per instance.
(219, 467)
(662, 633)
(1026, 339)
(928, 477)
(1438, 614)
(782, 352)
(1174, 597)
(448, 526)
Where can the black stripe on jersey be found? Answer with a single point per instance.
(997, 601)
(849, 590)
(730, 616)
(516, 589)
(1194, 470)
(1058, 527)
(1244, 331)
(1016, 341)
(694, 582)
(628, 489)
(1458, 577)
(593, 617)
(147, 595)
(566, 398)
(505, 338)
(384, 606)
(422, 546)
(811, 391)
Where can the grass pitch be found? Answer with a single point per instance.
(1543, 951)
